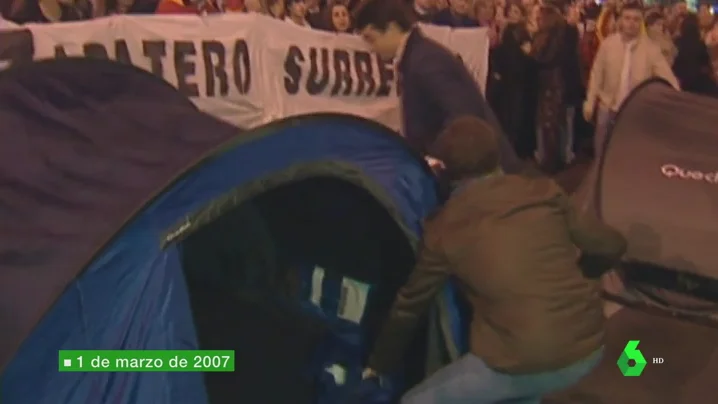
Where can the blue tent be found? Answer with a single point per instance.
(130, 220)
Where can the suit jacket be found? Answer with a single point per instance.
(605, 79)
(510, 241)
(435, 88)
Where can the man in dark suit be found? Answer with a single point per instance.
(511, 242)
(434, 84)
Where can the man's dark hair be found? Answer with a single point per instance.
(380, 13)
(468, 146)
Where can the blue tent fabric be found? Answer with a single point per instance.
(92, 176)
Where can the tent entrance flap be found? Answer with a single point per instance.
(247, 270)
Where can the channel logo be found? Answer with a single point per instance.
(632, 362)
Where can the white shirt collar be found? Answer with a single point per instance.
(630, 44)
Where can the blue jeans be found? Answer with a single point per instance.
(470, 381)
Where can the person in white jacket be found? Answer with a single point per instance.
(624, 60)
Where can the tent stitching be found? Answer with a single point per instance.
(230, 200)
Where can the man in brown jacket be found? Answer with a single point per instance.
(529, 266)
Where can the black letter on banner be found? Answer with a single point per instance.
(95, 51)
(342, 67)
(60, 52)
(386, 77)
(292, 69)
(122, 52)
(185, 68)
(242, 67)
(318, 66)
(16, 47)
(155, 51)
(365, 73)
(215, 58)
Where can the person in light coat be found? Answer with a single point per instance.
(624, 60)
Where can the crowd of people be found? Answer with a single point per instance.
(541, 58)
(549, 61)
(510, 240)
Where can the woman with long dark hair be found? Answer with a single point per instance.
(338, 18)
(513, 68)
(693, 66)
(547, 51)
(573, 85)
(296, 13)
(656, 30)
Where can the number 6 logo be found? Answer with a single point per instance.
(631, 353)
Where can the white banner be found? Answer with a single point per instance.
(250, 69)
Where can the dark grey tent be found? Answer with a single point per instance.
(657, 182)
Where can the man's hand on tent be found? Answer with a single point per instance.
(436, 165)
